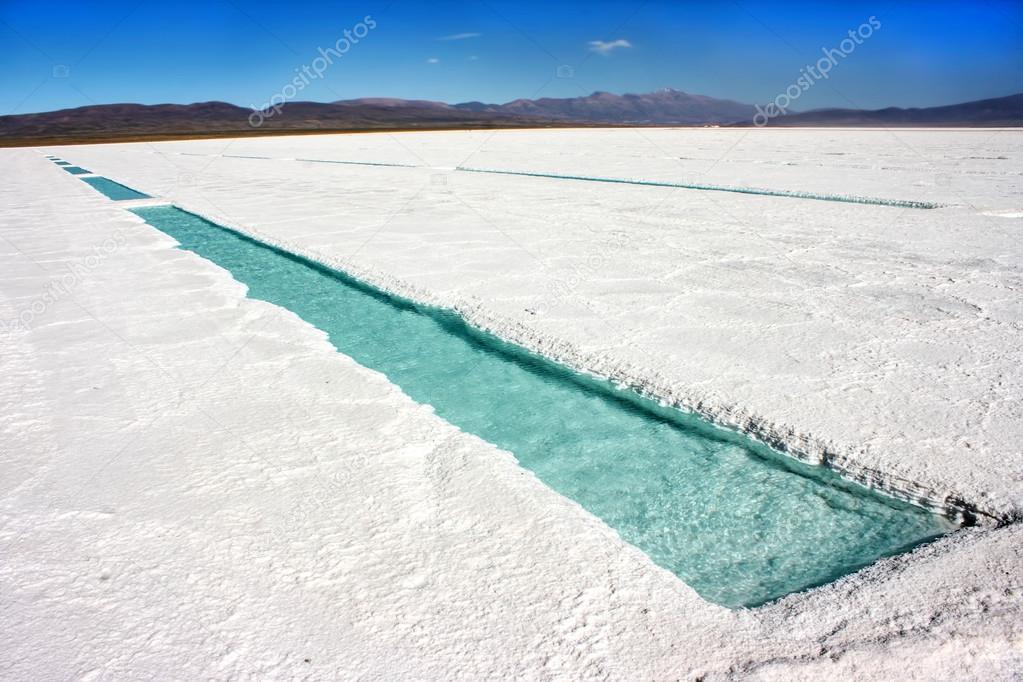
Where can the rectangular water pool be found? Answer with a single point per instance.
(114, 190)
(738, 522)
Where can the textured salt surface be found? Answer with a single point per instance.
(199, 485)
(883, 342)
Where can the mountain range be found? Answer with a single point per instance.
(664, 107)
(997, 112)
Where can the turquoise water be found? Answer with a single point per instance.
(114, 190)
(75, 170)
(740, 524)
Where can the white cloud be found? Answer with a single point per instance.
(433, 60)
(607, 47)
(460, 36)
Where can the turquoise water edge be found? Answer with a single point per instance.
(739, 523)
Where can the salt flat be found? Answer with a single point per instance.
(196, 483)
(883, 340)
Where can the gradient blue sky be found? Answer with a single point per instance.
(60, 54)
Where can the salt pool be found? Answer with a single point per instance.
(761, 191)
(739, 523)
(113, 190)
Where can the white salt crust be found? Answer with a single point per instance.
(199, 485)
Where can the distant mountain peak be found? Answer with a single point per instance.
(666, 106)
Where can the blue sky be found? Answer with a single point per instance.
(60, 54)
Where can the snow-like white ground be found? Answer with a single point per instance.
(884, 340)
(196, 484)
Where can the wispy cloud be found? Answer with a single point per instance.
(433, 60)
(460, 36)
(607, 47)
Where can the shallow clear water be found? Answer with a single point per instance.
(75, 170)
(740, 524)
(113, 190)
